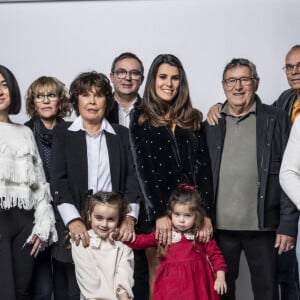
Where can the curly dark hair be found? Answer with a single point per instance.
(84, 82)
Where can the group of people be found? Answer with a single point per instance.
(146, 173)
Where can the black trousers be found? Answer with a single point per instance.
(42, 281)
(261, 257)
(16, 264)
(141, 276)
(64, 280)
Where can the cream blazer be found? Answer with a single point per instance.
(103, 270)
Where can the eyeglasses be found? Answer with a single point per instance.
(133, 74)
(289, 69)
(245, 81)
(41, 97)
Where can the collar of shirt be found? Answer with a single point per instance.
(78, 125)
(130, 107)
(96, 241)
(251, 110)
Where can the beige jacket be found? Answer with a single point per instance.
(103, 270)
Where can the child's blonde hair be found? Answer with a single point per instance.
(111, 198)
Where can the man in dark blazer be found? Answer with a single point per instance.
(90, 155)
(252, 212)
(127, 75)
(289, 101)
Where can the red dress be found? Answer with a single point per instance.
(187, 271)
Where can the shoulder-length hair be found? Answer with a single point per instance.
(56, 86)
(84, 82)
(14, 90)
(158, 113)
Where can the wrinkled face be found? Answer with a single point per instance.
(91, 106)
(241, 95)
(104, 219)
(4, 96)
(182, 217)
(46, 102)
(125, 78)
(293, 77)
(167, 82)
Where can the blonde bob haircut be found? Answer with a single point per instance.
(56, 86)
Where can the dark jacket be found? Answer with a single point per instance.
(163, 160)
(113, 115)
(286, 100)
(274, 209)
(47, 138)
(69, 173)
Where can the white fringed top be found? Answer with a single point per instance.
(22, 179)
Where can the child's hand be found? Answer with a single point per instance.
(220, 285)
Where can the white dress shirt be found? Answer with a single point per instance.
(124, 117)
(99, 178)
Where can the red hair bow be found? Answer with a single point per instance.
(187, 187)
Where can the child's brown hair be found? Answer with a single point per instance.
(111, 198)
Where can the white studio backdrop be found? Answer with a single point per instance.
(62, 39)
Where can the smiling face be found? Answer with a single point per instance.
(91, 106)
(126, 87)
(46, 106)
(293, 58)
(182, 217)
(4, 96)
(104, 219)
(240, 97)
(167, 82)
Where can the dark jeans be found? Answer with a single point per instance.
(64, 279)
(16, 264)
(141, 276)
(261, 257)
(42, 282)
(288, 276)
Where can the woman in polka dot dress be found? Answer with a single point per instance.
(169, 147)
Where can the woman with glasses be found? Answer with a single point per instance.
(169, 147)
(26, 215)
(47, 103)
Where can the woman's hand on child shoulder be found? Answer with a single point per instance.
(79, 232)
(163, 233)
(126, 231)
(220, 285)
(206, 233)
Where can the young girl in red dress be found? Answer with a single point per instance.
(189, 269)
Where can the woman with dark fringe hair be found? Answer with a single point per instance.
(26, 215)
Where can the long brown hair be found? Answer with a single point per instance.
(158, 113)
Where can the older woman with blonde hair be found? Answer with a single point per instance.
(47, 103)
